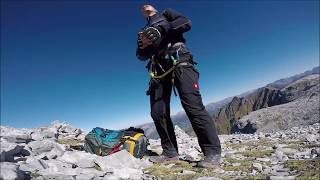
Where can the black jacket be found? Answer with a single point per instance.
(173, 25)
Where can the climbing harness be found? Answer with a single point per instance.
(175, 63)
(153, 72)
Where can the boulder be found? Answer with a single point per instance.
(128, 173)
(39, 147)
(58, 176)
(11, 171)
(188, 146)
(32, 164)
(39, 165)
(57, 151)
(44, 133)
(67, 129)
(281, 177)
(79, 158)
(8, 150)
(121, 159)
(63, 170)
(123, 164)
(15, 135)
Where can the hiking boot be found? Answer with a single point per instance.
(210, 161)
(163, 158)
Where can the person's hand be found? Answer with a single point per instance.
(143, 40)
(153, 34)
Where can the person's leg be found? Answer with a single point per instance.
(186, 82)
(160, 113)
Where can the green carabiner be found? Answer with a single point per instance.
(173, 60)
(151, 74)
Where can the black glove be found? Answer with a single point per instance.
(153, 33)
(143, 41)
(139, 42)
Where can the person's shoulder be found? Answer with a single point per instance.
(169, 11)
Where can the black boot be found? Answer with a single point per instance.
(210, 161)
(163, 158)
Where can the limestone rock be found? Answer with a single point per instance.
(15, 135)
(81, 159)
(8, 150)
(44, 133)
(39, 147)
(257, 166)
(11, 171)
(281, 177)
(119, 160)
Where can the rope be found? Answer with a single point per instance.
(162, 75)
(153, 72)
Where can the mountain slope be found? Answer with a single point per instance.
(303, 109)
(239, 107)
(226, 119)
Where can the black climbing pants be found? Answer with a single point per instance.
(186, 82)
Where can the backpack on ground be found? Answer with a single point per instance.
(104, 142)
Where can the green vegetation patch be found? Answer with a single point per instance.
(223, 127)
(224, 177)
(35, 174)
(70, 141)
(174, 172)
(252, 144)
(257, 154)
(301, 146)
(245, 165)
(295, 144)
(307, 169)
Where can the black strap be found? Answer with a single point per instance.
(173, 85)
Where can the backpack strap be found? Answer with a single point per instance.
(132, 141)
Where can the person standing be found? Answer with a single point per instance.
(171, 66)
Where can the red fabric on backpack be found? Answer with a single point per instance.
(115, 149)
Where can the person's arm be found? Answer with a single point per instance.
(177, 23)
(144, 50)
(144, 54)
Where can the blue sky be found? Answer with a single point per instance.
(75, 61)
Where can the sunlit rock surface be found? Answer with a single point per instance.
(54, 152)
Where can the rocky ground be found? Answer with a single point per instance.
(55, 152)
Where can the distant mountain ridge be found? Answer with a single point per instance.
(241, 106)
(229, 110)
(303, 108)
(281, 83)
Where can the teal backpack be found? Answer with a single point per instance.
(104, 142)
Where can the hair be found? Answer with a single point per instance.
(143, 5)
